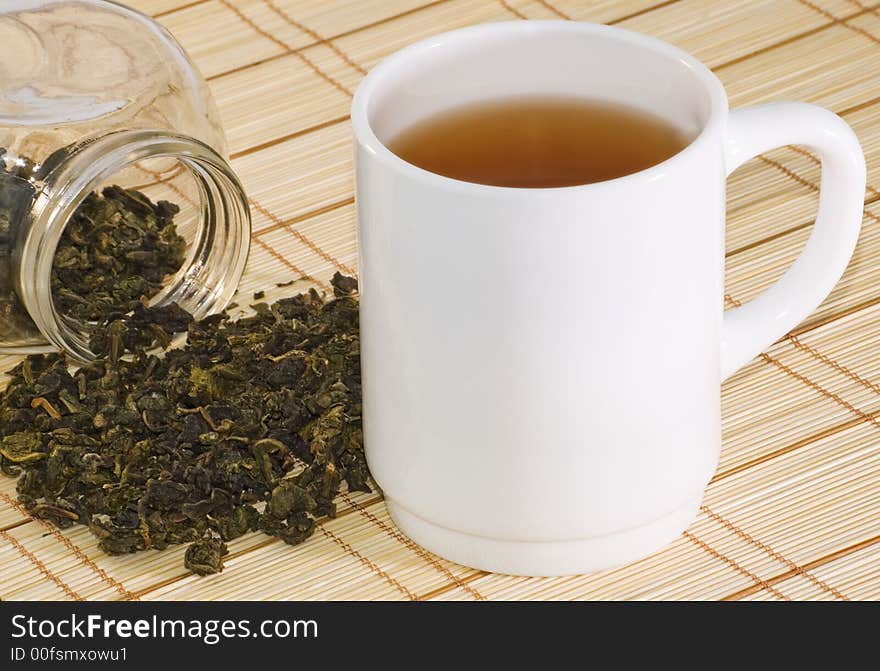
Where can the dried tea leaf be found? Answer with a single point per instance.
(205, 556)
(22, 448)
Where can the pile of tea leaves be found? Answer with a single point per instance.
(16, 197)
(117, 249)
(252, 424)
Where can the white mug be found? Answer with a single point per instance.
(542, 366)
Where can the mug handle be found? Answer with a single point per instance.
(748, 330)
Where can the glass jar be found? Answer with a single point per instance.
(97, 95)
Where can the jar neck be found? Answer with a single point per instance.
(220, 248)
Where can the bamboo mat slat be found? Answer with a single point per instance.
(318, 167)
(10, 514)
(794, 509)
(393, 566)
(299, 24)
(738, 539)
(73, 556)
(226, 45)
(600, 11)
(856, 575)
(290, 95)
(769, 197)
(28, 569)
(718, 33)
(755, 268)
(154, 7)
(835, 67)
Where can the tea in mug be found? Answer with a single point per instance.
(539, 141)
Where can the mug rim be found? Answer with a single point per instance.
(367, 138)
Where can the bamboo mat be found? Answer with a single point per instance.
(794, 509)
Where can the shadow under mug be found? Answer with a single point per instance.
(542, 367)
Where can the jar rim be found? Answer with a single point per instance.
(206, 285)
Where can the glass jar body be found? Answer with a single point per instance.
(100, 95)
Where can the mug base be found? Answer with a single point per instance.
(545, 558)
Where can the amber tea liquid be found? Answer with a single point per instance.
(539, 142)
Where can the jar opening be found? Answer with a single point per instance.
(131, 218)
